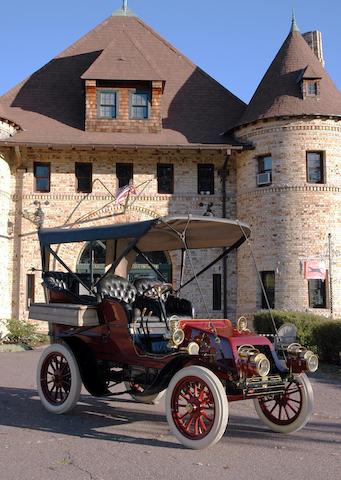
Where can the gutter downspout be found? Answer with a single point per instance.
(223, 175)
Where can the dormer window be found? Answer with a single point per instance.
(309, 81)
(139, 105)
(312, 88)
(107, 104)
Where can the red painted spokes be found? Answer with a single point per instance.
(55, 378)
(285, 408)
(193, 407)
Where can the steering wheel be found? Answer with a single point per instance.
(158, 291)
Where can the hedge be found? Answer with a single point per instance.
(316, 332)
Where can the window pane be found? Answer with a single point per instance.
(42, 170)
(264, 164)
(206, 178)
(108, 98)
(268, 279)
(315, 167)
(139, 112)
(317, 293)
(165, 178)
(42, 184)
(139, 105)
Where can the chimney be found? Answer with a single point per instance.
(314, 40)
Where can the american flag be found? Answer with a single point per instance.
(123, 192)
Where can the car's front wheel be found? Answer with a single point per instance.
(58, 379)
(290, 410)
(196, 407)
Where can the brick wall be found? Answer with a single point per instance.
(66, 205)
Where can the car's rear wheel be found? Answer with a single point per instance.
(136, 392)
(58, 379)
(196, 407)
(289, 411)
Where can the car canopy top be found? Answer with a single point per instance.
(165, 233)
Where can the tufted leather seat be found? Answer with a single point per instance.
(61, 287)
(113, 286)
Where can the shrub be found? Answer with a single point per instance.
(22, 332)
(315, 332)
(304, 322)
(327, 338)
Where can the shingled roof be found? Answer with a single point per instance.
(279, 93)
(49, 105)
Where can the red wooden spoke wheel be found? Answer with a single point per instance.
(285, 408)
(196, 407)
(193, 407)
(58, 379)
(289, 411)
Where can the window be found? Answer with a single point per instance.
(205, 179)
(124, 173)
(42, 177)
(165, 178)
(84, 177)
(139, 105)
(30, 288)
(268, 279)
(315, 167)
(312, 88)
(264, 176)
(216, 291)
(317, 293)
(106, 104)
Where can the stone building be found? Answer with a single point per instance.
(123, 104)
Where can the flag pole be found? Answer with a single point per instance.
(330, 274)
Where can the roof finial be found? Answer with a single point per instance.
(294, 26)
(124, 11)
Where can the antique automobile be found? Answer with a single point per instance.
(106, 330)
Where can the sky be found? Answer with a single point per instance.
(234, 42)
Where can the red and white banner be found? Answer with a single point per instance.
(315, 270)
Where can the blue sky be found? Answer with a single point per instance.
(232, 41)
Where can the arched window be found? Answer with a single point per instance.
(91, 262)
(160, 260)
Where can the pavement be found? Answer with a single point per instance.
(119, 439)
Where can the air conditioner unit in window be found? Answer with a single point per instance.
(264, 178)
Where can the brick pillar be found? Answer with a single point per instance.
(5, 182)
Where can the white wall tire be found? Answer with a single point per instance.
(196, 407)
(149, 399)
(289, 412)
(58, 379)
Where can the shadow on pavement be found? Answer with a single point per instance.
(21, 408)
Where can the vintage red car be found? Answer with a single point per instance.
(108, 331)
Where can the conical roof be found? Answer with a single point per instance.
(279, 93)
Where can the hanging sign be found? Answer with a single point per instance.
(315, 270)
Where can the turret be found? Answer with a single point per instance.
(288, 186)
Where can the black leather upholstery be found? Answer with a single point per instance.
(65, 285)
(118, 288)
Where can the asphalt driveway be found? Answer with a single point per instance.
(120, 439)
